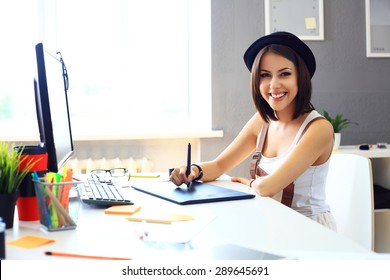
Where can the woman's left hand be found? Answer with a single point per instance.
(241, 180)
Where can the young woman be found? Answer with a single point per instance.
(292, 142)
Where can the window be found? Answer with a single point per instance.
(136, 66)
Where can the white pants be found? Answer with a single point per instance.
(325, 219)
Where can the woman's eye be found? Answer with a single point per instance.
(284, 74)
(264, 75)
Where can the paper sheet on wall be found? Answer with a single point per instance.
(310, 23)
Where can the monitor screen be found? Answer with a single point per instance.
(52, 108)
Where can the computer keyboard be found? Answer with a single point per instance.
(102, 192)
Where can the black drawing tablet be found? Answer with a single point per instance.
(197, 193)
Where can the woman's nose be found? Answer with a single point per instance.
(274, 84)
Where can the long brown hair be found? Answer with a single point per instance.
(303, 99)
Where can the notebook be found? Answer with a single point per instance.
(198, 193)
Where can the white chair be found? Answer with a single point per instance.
(349, 190)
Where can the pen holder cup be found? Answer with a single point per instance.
(58, 204)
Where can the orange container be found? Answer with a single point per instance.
(27, 202)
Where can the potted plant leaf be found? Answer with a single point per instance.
(10, 179)
(338, 122)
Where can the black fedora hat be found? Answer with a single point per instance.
(281, 38)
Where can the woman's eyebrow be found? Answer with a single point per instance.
(280, 70)
(284, 69)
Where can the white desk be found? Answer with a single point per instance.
(259, 223)
(373, 152)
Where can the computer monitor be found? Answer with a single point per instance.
(53, 108)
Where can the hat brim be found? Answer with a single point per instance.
(281, 38)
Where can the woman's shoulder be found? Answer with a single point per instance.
(317, 122)
(312, 115)
(253, 127)
(256, 122)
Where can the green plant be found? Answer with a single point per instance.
(337, 122)
(10, 175)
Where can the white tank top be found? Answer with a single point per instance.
(309, 188)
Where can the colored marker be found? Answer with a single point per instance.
(43, 205)
(59, 254)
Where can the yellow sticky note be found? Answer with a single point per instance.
(310, 23)
(179, 217)
(160, 219)
(123, 209)
(30, 241)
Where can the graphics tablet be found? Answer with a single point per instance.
(197, 193)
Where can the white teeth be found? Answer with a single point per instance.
(277, 95)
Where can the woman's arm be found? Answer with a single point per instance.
(314, 148)
(241, 147)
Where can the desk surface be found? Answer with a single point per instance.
(260, 223)
(373, 152)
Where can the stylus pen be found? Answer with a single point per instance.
(188, 171)
(59, 254)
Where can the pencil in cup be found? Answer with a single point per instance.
(58, 204)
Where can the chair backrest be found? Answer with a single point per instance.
(349, 192)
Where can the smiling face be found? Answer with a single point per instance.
(278, 82)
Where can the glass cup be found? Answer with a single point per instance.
(58, 204)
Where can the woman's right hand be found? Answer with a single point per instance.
(178, 176)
